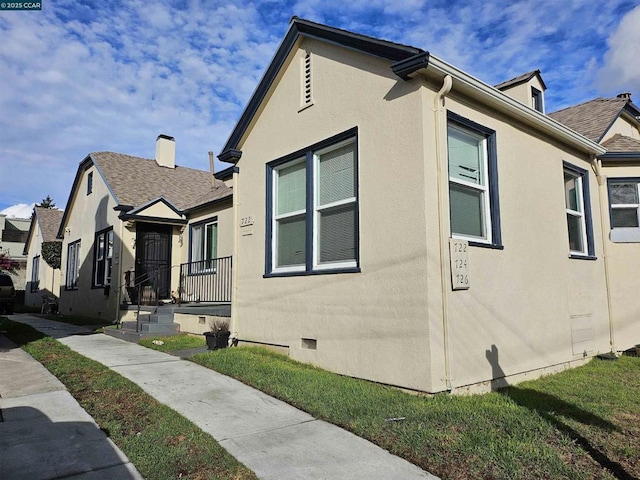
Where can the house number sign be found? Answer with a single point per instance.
(459, 255)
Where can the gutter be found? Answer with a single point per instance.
(494, 98)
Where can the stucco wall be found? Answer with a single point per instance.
(48, 278)
(622, 127)
(371, 324)
(90, 214)
(527, 302)
(624, 265)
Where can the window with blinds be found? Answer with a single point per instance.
(313, 210)
(468, 192)
(624, 199)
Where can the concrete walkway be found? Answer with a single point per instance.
(274, 439)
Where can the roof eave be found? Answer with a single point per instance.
(300, 27)
(493, 97)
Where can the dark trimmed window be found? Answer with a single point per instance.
(312, 214)
(474, 209)
(203, 248)
(89, 183)
(73, 265)
(537, 100)
(35, 274)
(102, 258)
(578, 209)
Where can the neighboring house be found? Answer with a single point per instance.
(615, 124)
(42, 279)
(136, 229)
(403, 222)
(13, 235)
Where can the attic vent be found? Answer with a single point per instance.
(306, 81)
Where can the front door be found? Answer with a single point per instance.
(153, 260)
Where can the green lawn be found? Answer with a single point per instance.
(582, 423)
(161, 443)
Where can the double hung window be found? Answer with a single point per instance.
(312, 209)
(204, 246)
(73, 265)
(578, 209)
(103, 258)
(624, 198)
(35, 274)
(473, 193)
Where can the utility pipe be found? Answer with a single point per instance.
(597, 167)
(234, 258)
(441, 157)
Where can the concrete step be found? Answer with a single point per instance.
(149, 327)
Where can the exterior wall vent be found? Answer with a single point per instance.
(309, 343)
(307, 98)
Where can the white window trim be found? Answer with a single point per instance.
(317, 209)
(628, 205)
(105, 257)
(204, 226)
(580, 214)
(283, 216)
(73, 269)
(483, 188)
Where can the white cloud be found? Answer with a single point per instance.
(112, 76)
(21, 210)
(621, 68)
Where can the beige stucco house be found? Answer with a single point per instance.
(41, 278)
(13, 235)
(615, 124)
(401, 221)
(139, 230)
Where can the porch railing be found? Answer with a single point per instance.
(206, 281)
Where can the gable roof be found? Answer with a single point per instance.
(134, 182)
(622, 144)
(593, 118)
(525, 77)
(405, 61)
(304, 28)
(49, 221)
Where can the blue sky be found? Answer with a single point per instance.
(80, 77)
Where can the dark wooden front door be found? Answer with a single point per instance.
(153, 260)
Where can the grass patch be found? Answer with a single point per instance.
(161, 443)
(582, 423)
(173, 343)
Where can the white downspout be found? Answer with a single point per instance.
(597, 165)
(441, 157)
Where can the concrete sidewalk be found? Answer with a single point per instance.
(272, 438)
(44, 432)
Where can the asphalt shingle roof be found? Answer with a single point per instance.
(621, 143)
(525, 77)
(591, 119)
(135, 181)
(49, 220)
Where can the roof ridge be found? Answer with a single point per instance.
(149, 160)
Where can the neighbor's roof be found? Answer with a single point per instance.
(405, 61)
(49, 221)
(593, 118)
(622, 144)
(135, 181)
(525, 77)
